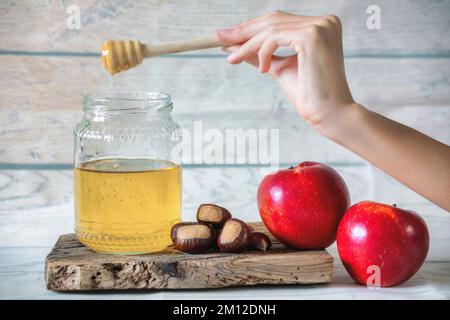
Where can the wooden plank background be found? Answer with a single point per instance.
(401, 71)
(404, 64)
(408, 27)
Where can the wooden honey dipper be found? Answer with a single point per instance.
(121, 55)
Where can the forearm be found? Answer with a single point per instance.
(416, 160)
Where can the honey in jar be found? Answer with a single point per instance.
(127, 205)
(127, 186)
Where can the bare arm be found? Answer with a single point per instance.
(416, 160)
(315, 83)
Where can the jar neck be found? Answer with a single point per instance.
(128, 104)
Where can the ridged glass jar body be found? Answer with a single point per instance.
(127, 184)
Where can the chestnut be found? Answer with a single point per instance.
(193, 237)
(212, 214)
(260, 241)
(234, 236)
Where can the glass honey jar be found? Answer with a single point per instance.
(127, 184)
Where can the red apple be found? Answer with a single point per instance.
(376, 234)
(301, 206)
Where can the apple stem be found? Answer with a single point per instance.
(291, 167)
(395, 205)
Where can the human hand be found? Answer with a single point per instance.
(314, 78)
(314, 81)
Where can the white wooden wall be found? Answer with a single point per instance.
(401, 71)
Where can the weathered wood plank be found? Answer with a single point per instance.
(46, 137)
(30, 190)
(36, 122)
(406, 27)
(37, 206)
(72, 266)
(203, 85)
(29, 141)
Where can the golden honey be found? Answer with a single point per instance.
(127, 206)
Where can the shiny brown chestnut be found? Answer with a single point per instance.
(260, 241)
(193, 237)
(212, 214)
(234, 236)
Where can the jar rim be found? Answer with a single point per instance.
(127, 102)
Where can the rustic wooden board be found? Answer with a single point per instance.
(22, 277)
(71, 266)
